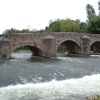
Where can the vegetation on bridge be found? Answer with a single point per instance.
(68, 25)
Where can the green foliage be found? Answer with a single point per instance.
(25, 31)
(65, 25)
(21, 48)
(99, 7)
(12, 31)
(54, 26)
(82, 25)
(68, 25)
(93, 25)
(90, 10)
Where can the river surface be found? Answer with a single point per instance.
(60, 78)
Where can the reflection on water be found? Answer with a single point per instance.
(42, 59)
(60, 78)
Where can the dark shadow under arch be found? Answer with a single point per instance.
(69, 46)
(95, 47)
(35, 50)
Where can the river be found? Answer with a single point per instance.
(60, 78)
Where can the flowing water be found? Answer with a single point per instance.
(59, 78)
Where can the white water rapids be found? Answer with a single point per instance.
(61, 78)
(70, 89)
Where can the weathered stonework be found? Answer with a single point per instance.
(49, 46)
(85, 45)
(46, 44)
(5, 48)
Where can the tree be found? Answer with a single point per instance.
(94, 25)
(24, 31)
(82, 25)
(68, 25)
(90, 10)
(13, 31)
(54, 26)
(10, 31)
(99, 7)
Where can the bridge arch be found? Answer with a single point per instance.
(36, 51)
(72, 47)
(95, 47)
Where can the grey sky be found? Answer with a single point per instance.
(36, 14)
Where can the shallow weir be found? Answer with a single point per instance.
(70, 89)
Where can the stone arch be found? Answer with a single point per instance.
(72, 46)
(36, 51)
(95, 47)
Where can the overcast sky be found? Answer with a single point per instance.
(36, 14)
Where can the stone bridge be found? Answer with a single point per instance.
(46, 44)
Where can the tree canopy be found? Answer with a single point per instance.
(90, 10)
(68, 25)
(63, 25)
(93, 22)
(12, 31)
(54, 26)
(94, 25)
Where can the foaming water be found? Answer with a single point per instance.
(59, 78)
(95, 56)
(70, 89)
(21, 55)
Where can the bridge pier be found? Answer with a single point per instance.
(5, 48)
(49, 46)
(85, 45)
